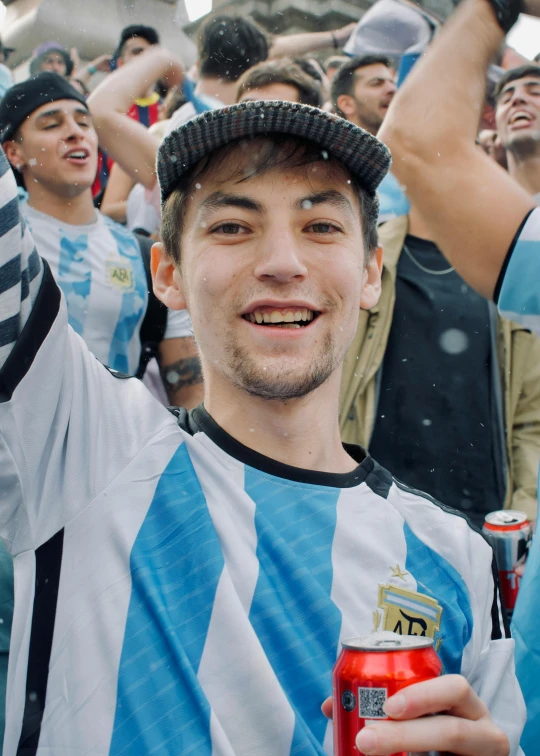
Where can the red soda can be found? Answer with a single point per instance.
(509, 533)
(368, 671)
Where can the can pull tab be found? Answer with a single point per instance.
(388, 643)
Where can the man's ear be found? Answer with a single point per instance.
(346, 104)
(371, 285)
(14, 153)
(168, 285)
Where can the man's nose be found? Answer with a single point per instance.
(281, 258)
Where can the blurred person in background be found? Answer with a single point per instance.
(488, 225)
(227, 47)
(135, 40)
(517, 115)
(439, 387)
(362, 91)
(134, 148)
(50, 140)
(279, 80)
(334, 63)
(51, 56)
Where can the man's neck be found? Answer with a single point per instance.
(222, 89)
(78, 210)
(302, 433)
(417, 227)
(525, 170)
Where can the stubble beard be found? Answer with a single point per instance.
(278, 384)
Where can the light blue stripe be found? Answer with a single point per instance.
(437, 578)
(520, 291)
(176, 562)
(134, 302)
(75, 279)
(296, 622)
(423, 608)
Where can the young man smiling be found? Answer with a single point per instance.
(517, 115)
(185, 581)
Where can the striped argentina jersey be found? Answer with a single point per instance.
(178, 593)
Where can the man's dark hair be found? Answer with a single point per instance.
(521, 72)
(229, 45)
(336, 61)
(281, 71)
(266, 153)
(309, 68)
(343, 81)
(137, 30)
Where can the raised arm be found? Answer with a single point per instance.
(21, 271)
(471, 206)
(128, 142)
(300, 44)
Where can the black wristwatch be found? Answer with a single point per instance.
(507, 12)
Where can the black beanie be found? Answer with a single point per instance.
(22, 99)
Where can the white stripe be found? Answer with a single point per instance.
(242, 722)
(358, 572)
(90, 623)
(25, 578)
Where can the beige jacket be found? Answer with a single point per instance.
(519, 367)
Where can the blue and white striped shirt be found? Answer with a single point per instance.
(179, 593)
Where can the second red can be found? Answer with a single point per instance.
(368, 671)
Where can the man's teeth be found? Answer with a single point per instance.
(289, 316)
(520, 116)
(77, 154)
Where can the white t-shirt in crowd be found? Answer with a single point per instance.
(99, 268)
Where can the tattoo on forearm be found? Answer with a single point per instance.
(185, 372)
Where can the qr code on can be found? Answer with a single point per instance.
(370, 703)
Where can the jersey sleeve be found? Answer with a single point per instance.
(67, 426)
(21, 269)
(178, 325)
(518, 290)
(488, 661)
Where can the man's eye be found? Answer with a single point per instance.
(323, 228)
(230, 229)
(50, 126)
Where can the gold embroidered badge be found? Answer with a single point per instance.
(409, 613)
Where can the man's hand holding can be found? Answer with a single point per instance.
(460, 723)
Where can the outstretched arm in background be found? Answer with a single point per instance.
(293, 45)
(128, 142)
(471, 206)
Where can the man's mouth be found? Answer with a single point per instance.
(79, 155)
(293, 317)
(520, 116)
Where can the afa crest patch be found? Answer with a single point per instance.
(407, 612)
(119, 274)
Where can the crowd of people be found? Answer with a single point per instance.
(268, 357)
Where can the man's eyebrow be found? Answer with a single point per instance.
(220, 199)
(328, 197)
(58, 111)
(512, 87)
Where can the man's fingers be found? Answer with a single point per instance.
(442, 733)
(327, 708)
(451, 694)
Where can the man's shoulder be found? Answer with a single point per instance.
(422, 512)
